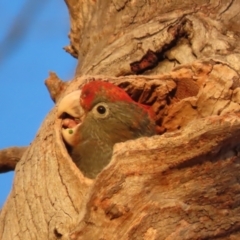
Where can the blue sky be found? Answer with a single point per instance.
(30, 46)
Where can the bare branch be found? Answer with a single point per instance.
(9, 157)
(55, 86)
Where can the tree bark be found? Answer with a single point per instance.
(182, 59)
(9, 157)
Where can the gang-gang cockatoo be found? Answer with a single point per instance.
(109, 116)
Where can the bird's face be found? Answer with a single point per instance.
(112, 122)
(106, 115)
(111, 115)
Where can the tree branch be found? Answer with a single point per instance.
(55, 86)
(9, 157)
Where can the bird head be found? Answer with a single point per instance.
(98, 91)
(106, 115)
(112, 114)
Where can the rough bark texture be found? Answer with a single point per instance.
(9, 157)
(55, 86)
(182, 184)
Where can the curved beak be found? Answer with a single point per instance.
(70, 104)
(72, 115)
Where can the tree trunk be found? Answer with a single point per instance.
(181, 58)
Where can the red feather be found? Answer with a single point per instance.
(113, 93)
(98, 88)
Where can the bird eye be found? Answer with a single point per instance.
(101, 109)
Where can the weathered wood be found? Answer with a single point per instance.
(55, 86)
(9, 157)
(185, 185)
(108, 36)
